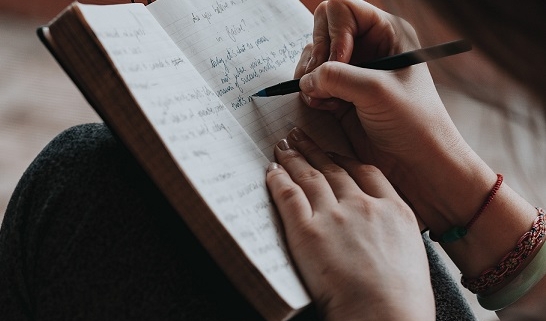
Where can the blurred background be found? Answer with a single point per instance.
(38, 101)
(33, 8)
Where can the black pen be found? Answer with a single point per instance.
(402, 60)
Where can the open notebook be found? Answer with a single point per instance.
(173, 81)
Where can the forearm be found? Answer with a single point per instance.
(450, 189)
(400, 125)
(529, 307)
(495, 233)
(449, 192)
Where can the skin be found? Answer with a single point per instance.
(351, 235)
(400, 129)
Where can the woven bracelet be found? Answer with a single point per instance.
(511, 262)
(518, 287)
(458, 232)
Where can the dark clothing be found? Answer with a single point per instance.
(87, 236)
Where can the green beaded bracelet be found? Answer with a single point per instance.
(453, 234)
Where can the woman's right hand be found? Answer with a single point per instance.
(394, 119)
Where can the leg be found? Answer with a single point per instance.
(450, 302)
(87, 236)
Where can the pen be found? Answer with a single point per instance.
(402, 60)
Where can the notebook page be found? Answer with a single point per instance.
(217, 155)
(241, 47)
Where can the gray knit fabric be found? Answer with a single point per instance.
(450, 302)
(87, 236)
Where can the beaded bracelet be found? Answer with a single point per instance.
(511, 262)
(458, 232)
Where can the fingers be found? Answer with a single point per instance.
(339, 24)
(368, 178)
(333, 104)
(321, 38)
(301, 67)
(290, 199)
(322, 181)
(327, 179)
(342, 29)
(312, 182)
(341, 184)
(349, 83)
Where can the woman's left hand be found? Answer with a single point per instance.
(354, 240)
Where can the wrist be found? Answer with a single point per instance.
(449, 189)
(519, 272)
(410, 307)
(447, 186)
(409, 297)
(529, 307)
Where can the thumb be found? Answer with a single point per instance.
(352, 84)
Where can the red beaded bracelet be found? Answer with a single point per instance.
(457, 232)
(512, 261)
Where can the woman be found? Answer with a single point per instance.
(87, 236)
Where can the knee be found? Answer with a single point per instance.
(83, 149)
(79, 144)
(79, 155)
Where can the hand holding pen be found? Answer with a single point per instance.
(394, 62)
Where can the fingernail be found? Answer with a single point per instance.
(306, 82)
(305, 98)
(272, 166)
(283, 144)
(333, 55)
(311, 64)
(298, 135)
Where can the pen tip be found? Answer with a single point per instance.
(260, 93)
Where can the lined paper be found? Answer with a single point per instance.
(241, 47)
(201, 133)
